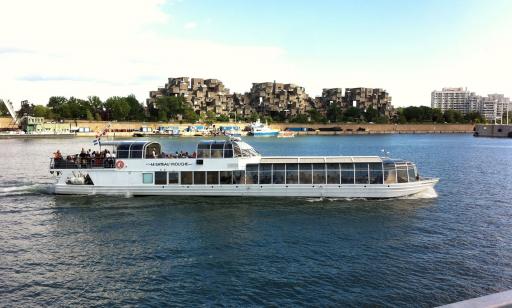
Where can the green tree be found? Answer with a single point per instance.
(334, 113)
(413, 114)
(210, 115)
(118, 108)
(427, 114)
(190, 116)
(3, 109)
(58, 106)
(352, 114)
(316, 116)
(452, 116)
(42, 111)
(170, 107)
(96, 106)
(136, 108)
(474, 117)
(300, 118)
(437, 115)
(371, 114)
(223, 118)
(382, 119)
(254, 117)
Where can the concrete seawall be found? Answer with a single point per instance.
(494, 130)
(126, 128)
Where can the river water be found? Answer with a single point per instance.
(93, 250)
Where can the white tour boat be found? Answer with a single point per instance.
(233, 168)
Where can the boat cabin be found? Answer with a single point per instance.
(137, 149)
(225, 149)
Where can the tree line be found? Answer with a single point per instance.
(170, 108)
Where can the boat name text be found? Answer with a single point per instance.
(180, 164)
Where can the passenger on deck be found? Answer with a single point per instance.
(57, 155)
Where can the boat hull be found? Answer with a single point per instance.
(378, 191)
(264, 134)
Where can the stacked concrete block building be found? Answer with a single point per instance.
(329, 97)
(285, 100)
(270, 98)
(204, 95)
(364, 98)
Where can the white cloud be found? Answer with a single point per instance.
(107, 48)
(190, 25)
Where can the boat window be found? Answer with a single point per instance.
(153, 147)
(411, 170)
(199, 178)
(225, 177)
(333, 173)
(147, 178)
(347, 173)
(236, 150)
(186, 178)
(228, 153)
(292, 173)
(376, 176)
(389, 173)
(174, 178)
(239, 177)
(160, 178)
(265, 174)
(123, 150)
(278, 173)
(361, 173)
(318, 173)
(305, 175)
(401, 173)
(203, 150)
(251, 172)
(136, 150)
(217, 149)
(212, 177)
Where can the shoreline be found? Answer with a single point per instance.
(127, 129)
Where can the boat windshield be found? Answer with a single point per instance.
(224, 149)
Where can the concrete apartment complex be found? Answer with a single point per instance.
(493, 107)
(268, 98)
(365, 98)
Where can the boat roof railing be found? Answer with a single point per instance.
(118, 142)
(334, 159)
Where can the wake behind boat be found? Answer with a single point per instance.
(233, 168)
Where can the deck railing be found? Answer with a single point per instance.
(83, 163)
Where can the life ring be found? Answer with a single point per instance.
(119, 164)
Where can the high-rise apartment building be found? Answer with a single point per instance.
(492, 107)
(458, 99)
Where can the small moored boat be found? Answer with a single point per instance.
(258, 129)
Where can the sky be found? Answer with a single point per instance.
(120, 47)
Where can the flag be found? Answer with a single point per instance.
(100, 134)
